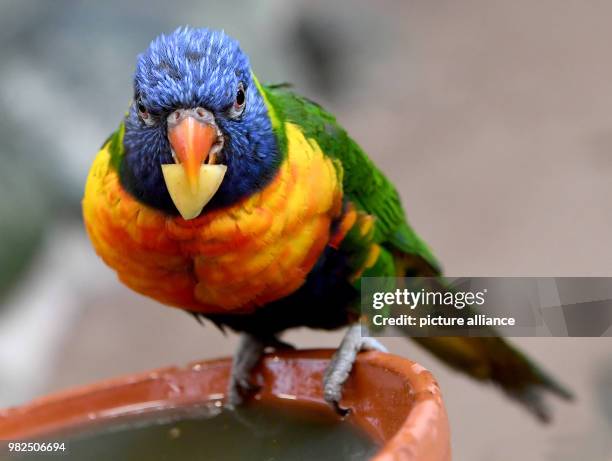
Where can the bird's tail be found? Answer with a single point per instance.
(487, 359)
(493, 359)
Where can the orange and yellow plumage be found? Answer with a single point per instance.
(227, 260)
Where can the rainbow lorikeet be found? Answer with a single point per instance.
(251, 206)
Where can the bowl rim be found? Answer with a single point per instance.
(396, 401)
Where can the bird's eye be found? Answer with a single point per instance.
(239, 102)
(144, 114)
(240, 97)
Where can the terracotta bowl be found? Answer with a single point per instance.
(394, 400)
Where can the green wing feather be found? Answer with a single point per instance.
(363, 183)
(486, 359)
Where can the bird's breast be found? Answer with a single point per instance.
(229, 260)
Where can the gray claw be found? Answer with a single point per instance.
(341, 364)
(250, 349)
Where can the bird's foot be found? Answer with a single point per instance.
(341, 365)
(250, 350)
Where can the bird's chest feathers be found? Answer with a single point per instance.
(231, 259)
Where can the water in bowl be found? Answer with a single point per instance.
(253, 433)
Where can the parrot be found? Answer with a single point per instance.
(249, 206)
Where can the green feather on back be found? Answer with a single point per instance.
(363, 183)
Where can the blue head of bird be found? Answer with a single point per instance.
(197, 115)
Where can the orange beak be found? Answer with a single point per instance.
(191, 141)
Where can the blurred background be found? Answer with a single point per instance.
(493, 118)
